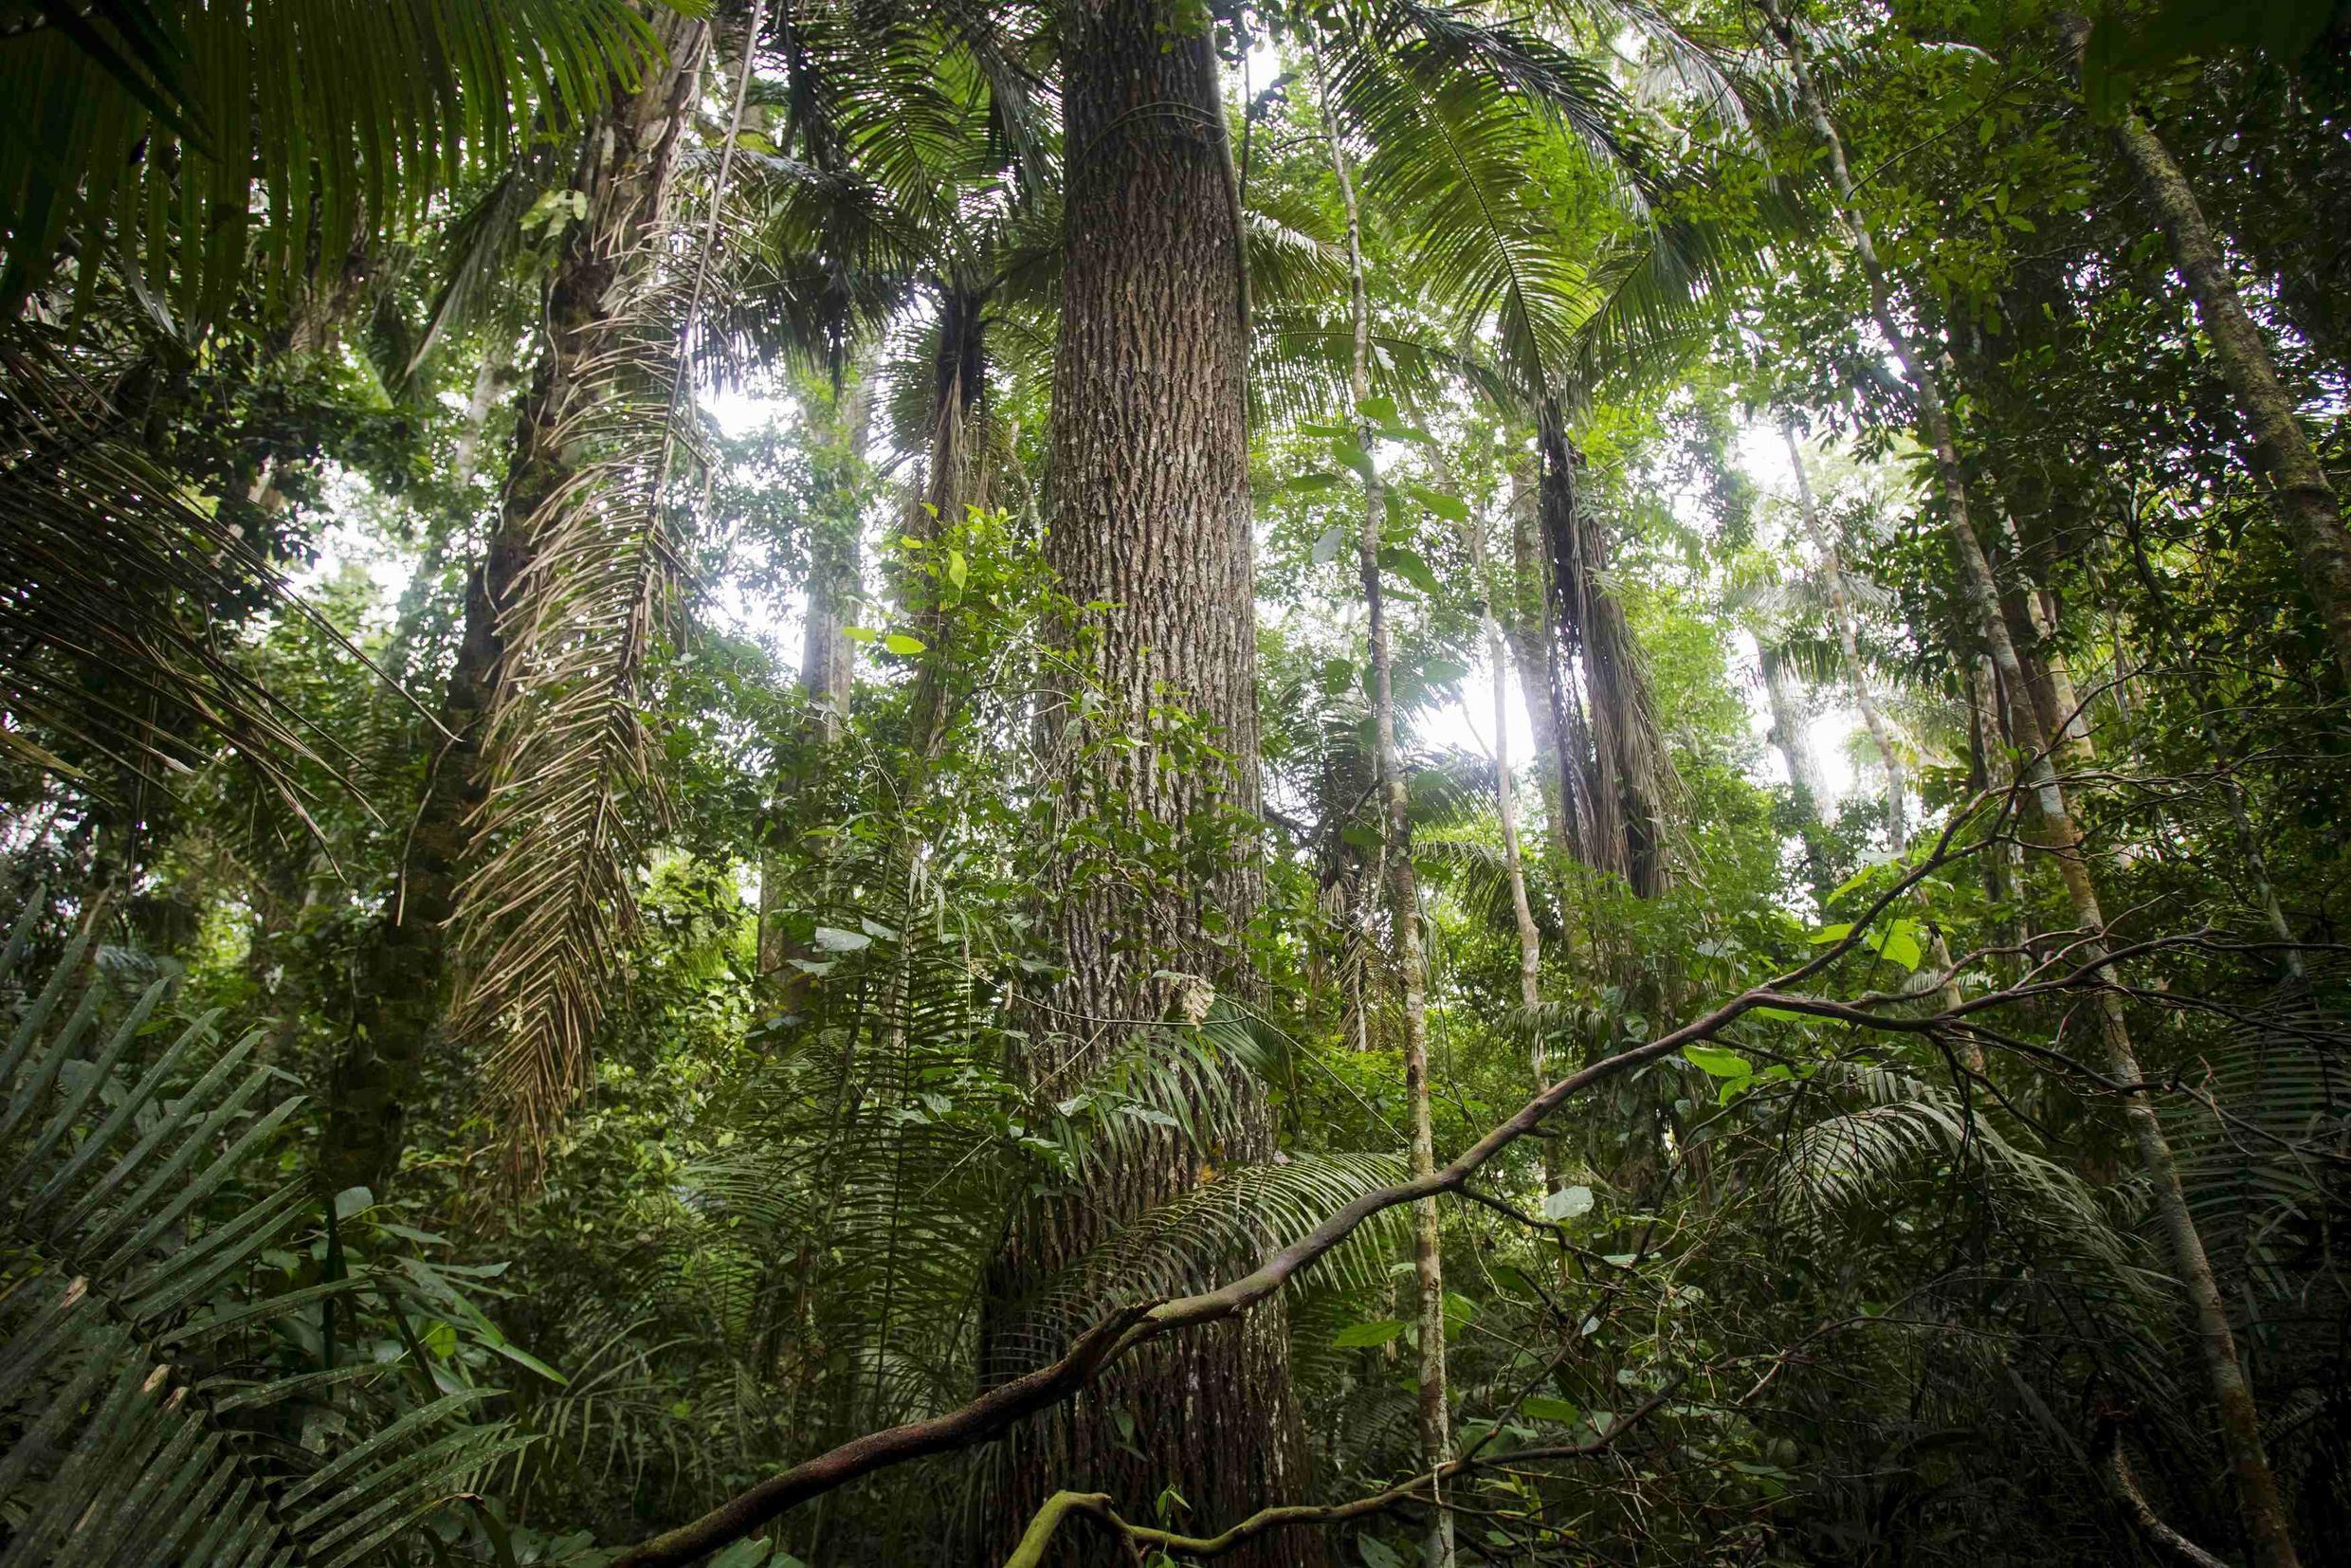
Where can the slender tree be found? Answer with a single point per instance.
(2260, 1505)
(2308, 508)
(1411, 960)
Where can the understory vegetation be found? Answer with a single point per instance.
(1021, 783)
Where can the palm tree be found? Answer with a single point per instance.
(180, 179)
(625, 173)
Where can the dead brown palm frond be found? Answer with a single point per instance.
(573, 789)
(113, 635)
(573, 786)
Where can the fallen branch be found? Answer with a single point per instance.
(1098, 1506)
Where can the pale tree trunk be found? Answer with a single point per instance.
(1783, 694)
(1403, 902)
(2307, 507)
(631, 154)
(1151, 517)
(1848, 644)
(840, 428)
(2260, 1505)
(1514, 860)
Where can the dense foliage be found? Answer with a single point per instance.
(1147, 780)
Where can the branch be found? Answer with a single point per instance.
(1123, 1331)
(2142, 1514)
(1097, 1506)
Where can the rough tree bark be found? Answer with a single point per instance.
(2260, 1506)
(1436, 1442)
(1151, 518)
(629, 153)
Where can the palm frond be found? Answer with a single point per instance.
(543, 920)
(137, 1394)
(138, 131)
(115, 568)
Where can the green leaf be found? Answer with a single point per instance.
(1411, 567)
(744, 1554)
(1568, 1203)
(1897, 944)
(1542, 1407)
(1714, 1060)
(1379, 411)
(834, 940)
(1857, 877)
(1451, 508)
(860, 633)
(898, 643)
(1362, 1336)
(1328, 544)
(1828, 934)
(958, 569)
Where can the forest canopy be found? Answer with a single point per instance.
(1029, 782)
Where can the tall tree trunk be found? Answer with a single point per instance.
(1988, 745)
(629, 155)
(1783, 693)
(1152, 519)
(828, 658)
(1621, 779)
(2033, 626)
(2262, 1508)
(1507, 808)
(1784, 696)
(2307, 507)
(1848, 642)
(1539, 676)
(1412, 962)
(954, 480)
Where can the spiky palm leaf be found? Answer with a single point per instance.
(114, 566)
(139, 1404)
(139, 131)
